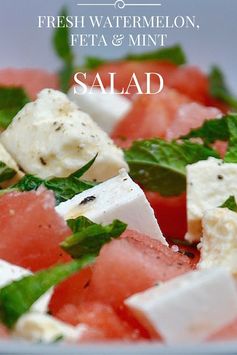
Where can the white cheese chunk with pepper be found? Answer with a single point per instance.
(6, 158)
(219, 241)
(10, 272)
(44, 328)
(107, 109)
(188, 308)
(117, 198)
(52, 137)
(209, 184)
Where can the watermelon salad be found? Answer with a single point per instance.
(118, 213)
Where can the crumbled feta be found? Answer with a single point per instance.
(188, 308)
(219, 242)
(10, 272)
(210, 183)
(38, 327)
(6, 158)
(117, 198)
(105, 109)
(52, 137)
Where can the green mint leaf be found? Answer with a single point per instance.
(89, 237)
(219, 88)
(174, 54)
(224, 129)
(67, 188)
(18, 297)
(6, 173)
(92, 63)
(63, 188)
(65, 77)
(61, 44)
(211, 131)
(230, 203)
(12, 99)
(160, 166)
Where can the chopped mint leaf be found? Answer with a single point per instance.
(219, 89)
(211, 131)
(230, 203)
(89, 237)
(224, 129)
(160, 166)
(93, 63)
(61, 43)
(12, 99)
(18, 297)
(6, 173)
(63, 188)
(174, 54)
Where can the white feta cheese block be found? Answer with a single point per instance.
(10, 272)
(209, 184)
(52, 137)
(219, 241)
(39, 327)
(117, 198)
(6, 158)
(188, 308)
(107, 109)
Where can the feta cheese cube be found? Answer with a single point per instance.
(210, 183)
(38, 327)
(219, 242)
(10, 272)
(188, 308)
(105, 109)
(52, 137)
(6, 158)
(117, 198)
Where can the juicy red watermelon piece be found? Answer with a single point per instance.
(150, 116)
(191, 82)
(31, 230)
(125, 69)
(71, 291)
(170, 213)
(132, 264)
(32, 80)
(190, 116)
(102, 321)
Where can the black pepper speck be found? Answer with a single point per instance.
(87, 199)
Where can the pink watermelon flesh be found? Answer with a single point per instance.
(132, 264)
(189, 116)
(31, 230)
(32, 80)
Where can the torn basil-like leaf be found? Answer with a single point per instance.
(17, 297)
(63, 188)
(160, 166)
(89, 237)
